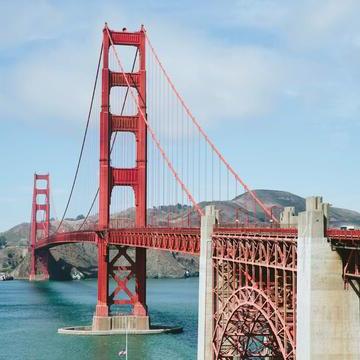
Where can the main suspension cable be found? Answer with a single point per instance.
(212, 145)
(112, 144)
(83, 142)
(152, 133)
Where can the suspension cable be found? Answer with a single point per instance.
(83, 142)
(152, 133)
(212, 145)
(113, 141)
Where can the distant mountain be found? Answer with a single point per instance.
(241, 207)
(18, 235)
(280, 199)
(83, 257)
(273, 198)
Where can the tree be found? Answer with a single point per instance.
(3, 241)
(80, 217)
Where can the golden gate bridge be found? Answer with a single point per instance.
(158, 175)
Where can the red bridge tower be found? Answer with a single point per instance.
(112, 265)
(39, 228)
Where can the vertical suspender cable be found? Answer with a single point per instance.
(215, 149)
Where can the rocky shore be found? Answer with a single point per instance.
(6, 277)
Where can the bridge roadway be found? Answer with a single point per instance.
(187, 240)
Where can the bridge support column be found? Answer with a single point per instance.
(102, 318)
(205, 314)
(102, 308)
(140, 308)
(39, 259)
(328, 319)
(117, 264)
(32, 274)
(44, 264)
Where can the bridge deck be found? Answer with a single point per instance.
(186, 240)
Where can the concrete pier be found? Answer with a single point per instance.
(288, 217)
(328, 316)
(120, 322)
(205, 325)
(39, 277)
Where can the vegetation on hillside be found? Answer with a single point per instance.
(3, 242)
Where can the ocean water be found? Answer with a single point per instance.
(31, 313)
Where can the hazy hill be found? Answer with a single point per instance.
(281, 199)
(160, 263)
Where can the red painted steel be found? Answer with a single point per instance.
(258, 231)
(212, 145)
(142, 114)
(254, 280)
(66, 238)
(343, 235)
(186, 240)
(347, 244)
(254, 268)
(254, 295)
(39, 228)
(111, 177)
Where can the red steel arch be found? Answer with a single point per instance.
(254, 269)
(278, 341)
(254, 293)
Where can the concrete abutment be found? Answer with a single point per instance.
(328, 317)
(205, 313)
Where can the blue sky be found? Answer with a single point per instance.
(275, 83)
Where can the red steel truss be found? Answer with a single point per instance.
(66, 238)
(111, 177)
(254, 279)
(185, 240)
(254, 269)
(347, 244)
(254, 295)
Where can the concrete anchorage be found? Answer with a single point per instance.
(328, 316)
(288, 218)
(205, 313)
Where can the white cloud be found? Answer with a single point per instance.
(53, 56)
(220, 81)
(238, 81)
(55, 85)
(274, 53)
(55, 82)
